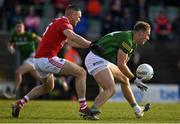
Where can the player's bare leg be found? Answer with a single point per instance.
(80, 75)
(47, 86)
(35, 75)
(106, 80)
(125, 85)
(70, 68)
(127, 91)
(24, 68)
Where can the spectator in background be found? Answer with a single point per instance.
(32, 21)
(38, 4)
(107, 24)
(59, 6)
(15, 16)
(94, 8)
(1, 14)
(111, 21)
(116, 11)
(163, 27)
(178, 64)
(176, 28)
(140, 9)
(127, 20)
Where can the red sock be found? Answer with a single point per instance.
(83, 103)
(22, 101)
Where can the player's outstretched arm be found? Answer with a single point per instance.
(77, 39)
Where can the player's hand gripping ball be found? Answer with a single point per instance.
(145, 72)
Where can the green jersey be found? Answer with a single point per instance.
(114, 41)
(24, 42)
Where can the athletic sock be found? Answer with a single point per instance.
(136, 108)
(133, 104)
(93, 107)
(22, 101)
(83, 103)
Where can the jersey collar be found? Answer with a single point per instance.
(66, 18)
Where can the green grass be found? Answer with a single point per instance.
(67, 112)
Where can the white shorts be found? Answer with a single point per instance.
(47, 66)
(95, 64)
(30, 60)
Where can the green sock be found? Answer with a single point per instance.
(93, 107)
(133, 105)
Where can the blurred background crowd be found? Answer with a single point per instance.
(100, 17)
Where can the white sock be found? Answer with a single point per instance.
(137, 108)
(26, 97)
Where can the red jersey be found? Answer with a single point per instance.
(53, 38)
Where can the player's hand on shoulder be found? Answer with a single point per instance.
(96, 47)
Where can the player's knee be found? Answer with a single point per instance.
(111, 91)
(82, 73)
(49, 88)
(49, 85)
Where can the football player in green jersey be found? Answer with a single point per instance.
(111, 64)
(24, 42)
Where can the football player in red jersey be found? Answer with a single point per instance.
(57, 33)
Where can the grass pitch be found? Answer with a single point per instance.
(39, 111)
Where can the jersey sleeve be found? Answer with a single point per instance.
(65, 26)
(31, 35)
(126, 47)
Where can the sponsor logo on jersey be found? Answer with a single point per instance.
(97, 63)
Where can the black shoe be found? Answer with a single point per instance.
(88, 113)
(147, 107)
(94, 117)
(15, 110)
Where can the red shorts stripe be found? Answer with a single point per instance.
(55, 63)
